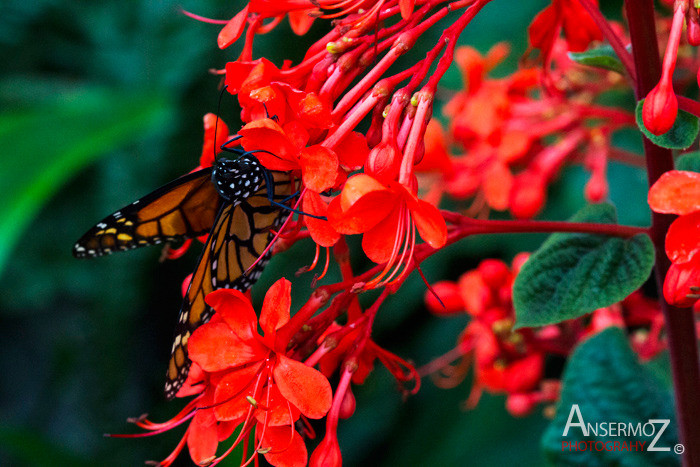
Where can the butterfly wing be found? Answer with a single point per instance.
(239, 236)
(185, 207)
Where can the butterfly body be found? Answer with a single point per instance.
(236, 202)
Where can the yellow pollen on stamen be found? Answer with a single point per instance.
(263, 450)
(252, 401)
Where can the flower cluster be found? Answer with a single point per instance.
(244, 383)
(678, 192)
(512, 361)
(353, 126)
(505, 128)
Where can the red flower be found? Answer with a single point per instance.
(678, 192)
(569, 15)
(244, 378)
(388, 216)
(232, 345)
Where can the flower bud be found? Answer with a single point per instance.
(520, 405)
(660, 108)
(384, 162)
(596, 189)
(327, 454)
(494, 272)
(347, 407)
(527, 196)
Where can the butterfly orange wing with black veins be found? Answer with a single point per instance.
(240, 235)
(184, 208)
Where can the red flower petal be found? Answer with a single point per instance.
(352, 151)
(236, 309)
(267, 135)
(278, 408)
(683, 238)
(233, 29)
(543, 29)
(676, 192)
(214, 347)
(275, 309)
(679, 279)
(363, 215)
(430, 224)
(297, 134)
(287, 448)
(321, 231)
(358, 186)
(319, 168)
(303, 386)
(497, 183)
(249, 75)
(230, 395)
(379, 242)
(406, 7)
(301, 21)
(202, 438)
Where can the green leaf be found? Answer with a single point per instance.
(689, 161)
(610, 386)
(574, 274)
(680, 136)
(45, 145)
(600, 57)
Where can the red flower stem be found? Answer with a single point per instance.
(471, 226)
(425, 102)
(341, 252)
(449, 37)
(689, 105)
(626, 157)
(351, 120)
(680, 324)
(403, 43)
(284, 335)
(614, 40)
(369, 79)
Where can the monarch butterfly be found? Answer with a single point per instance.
(237, 201)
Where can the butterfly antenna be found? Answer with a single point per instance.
(216, 123)
(267, 114)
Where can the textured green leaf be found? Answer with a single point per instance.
(600, 57)
(574, 274)
(609, 385)
(680, 136)
(46, 145)
(689, 161)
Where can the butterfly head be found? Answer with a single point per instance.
(237, 179)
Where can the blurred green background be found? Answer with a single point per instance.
(101, 102)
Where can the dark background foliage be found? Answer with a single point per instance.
(101, 102)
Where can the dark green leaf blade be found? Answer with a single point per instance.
(680, 136)
(600, 57)
(689, 161)
(574, 274)
(609, 385)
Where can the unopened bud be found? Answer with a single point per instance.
(660, 108)
(384, 161)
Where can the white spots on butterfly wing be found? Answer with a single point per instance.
(101, 225)
(117, 215)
